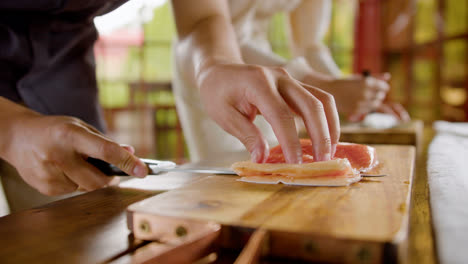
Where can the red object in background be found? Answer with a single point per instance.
(116, 44)
(368, 37)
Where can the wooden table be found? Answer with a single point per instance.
(91, 228)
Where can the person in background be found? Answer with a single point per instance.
(51, 121)
(312, 64)
(356, 95)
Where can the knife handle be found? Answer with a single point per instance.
(106, 168)
(366, 73)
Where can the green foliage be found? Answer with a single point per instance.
(162, 27)
(151, 62)
(455, 60)
(423, 74)
(454, 51)
(455, 17)
(425, 19)
(277, 36)
(113, 94)
(341, 34)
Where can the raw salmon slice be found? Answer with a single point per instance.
(361, 157)
(350, 159)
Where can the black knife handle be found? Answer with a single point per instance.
(107, 168)
(366, 73)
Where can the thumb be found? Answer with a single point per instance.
(128, 148)
(386, 76)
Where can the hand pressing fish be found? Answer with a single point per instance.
(349, 162)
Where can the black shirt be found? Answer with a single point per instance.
(46, 55)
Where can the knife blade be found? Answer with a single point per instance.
(156, 167)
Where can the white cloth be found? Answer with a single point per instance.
(448, 183)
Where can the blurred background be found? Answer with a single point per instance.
(422, 43)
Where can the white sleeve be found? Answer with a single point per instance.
(297, 67)
(309, 23)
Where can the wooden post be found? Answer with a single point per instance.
(466, 73)
(439, 58)
(367, 40)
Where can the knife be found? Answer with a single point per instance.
(156, 167)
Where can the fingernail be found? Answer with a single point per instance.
(294, 159)
(299, 156)
(140, 170)
(255, 156)
(326, 156)
(333, 150)
(266, 154)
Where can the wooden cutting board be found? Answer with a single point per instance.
(366, 222)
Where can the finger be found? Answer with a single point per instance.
(386, 76)
(380, 95)
(373, 105)
(376, 85)
(276, 111)
(92, 129)
(372, 95)
(97, 146)
(313, 113)
(363, 109)
(85, 175)
(331, 113)
(386, 109)
(356, 117)
(128, 148)
(401, 111)
(333, 118)
(242, 128)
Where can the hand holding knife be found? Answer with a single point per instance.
(155, 167)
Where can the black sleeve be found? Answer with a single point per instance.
(32, 5)
(54, 6)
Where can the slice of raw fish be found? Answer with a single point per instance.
(315, 181)
(331, 168)
(361, 157)
(350, 159)
(337, 172)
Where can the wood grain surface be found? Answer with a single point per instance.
(374, 211)
(88, 228)
(421, 244)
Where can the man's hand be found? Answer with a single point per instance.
(394, 109)
(233, 94)
(50, 154)
(355, 96)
